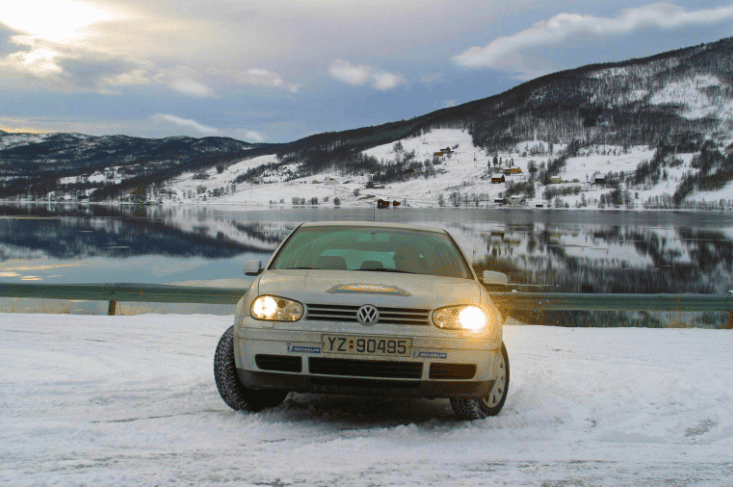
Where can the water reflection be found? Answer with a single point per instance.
(568, 251)
(69, 234)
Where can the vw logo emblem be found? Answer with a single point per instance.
(367, 315)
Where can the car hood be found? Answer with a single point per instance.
(378, 288)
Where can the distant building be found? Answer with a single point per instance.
(517, 200)
(555, 180)
(497, 180)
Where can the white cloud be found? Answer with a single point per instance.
(68, 68)
(184, 122)
(262, 77)
(518, 53)
(359, 74)
(249, 135)
(386, 81)
(183, 80)
(352, 74)
(40, 62)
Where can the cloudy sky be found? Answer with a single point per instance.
(279, 70)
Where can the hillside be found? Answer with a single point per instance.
(652, 132)
(463, 178)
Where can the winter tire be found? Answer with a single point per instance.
(233, 392)
(491, 404)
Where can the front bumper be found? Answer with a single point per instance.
(439, 366)
(364, 386)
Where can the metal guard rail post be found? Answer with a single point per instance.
(155, 293)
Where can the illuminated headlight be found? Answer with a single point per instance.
(273, 308)
(467, 317)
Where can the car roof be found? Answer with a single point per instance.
(401, 226)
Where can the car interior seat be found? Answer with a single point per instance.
(330, 262)
(370, 265)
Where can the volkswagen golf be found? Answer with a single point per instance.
(366, 308)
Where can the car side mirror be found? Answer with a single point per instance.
(252, 267)
(494, 278)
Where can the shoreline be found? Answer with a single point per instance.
(326, 206)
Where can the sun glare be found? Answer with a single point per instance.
(22, 130)
(52, 20)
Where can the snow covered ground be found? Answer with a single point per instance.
(98, 400)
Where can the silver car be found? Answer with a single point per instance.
(365, 308)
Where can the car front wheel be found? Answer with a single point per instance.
(490, 404)
(234, 393)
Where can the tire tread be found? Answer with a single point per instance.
(232, 391)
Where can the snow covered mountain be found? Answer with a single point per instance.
(653, 132)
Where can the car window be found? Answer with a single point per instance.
(372, 249)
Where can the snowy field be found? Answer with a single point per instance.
(97, 400)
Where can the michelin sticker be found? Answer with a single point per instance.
(431, 354)
(295, 348)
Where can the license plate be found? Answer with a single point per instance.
(361, 345)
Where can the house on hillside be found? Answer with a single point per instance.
(600, 181)
(555, 180)
(438, 154)
(517, 200)
(497, 180)
(512, 170)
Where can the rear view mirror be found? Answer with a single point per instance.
(494, 278)
(252, 267)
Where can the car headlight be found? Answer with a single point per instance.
(273, 308)
(466, 317)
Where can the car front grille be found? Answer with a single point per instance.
(365, 368)
(387, 316)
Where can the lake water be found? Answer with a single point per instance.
(558, 250)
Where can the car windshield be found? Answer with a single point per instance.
(372, 249)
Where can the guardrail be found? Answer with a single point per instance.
(156, 293)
